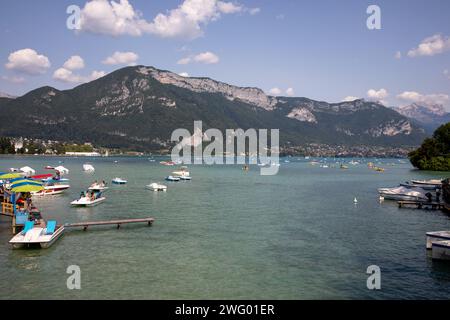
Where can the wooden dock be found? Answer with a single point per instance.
(421, 205)
(86, 224)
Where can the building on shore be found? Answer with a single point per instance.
(83, 154)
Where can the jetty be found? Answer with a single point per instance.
(118, 223)
(421, 205)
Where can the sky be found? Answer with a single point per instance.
(322, 49)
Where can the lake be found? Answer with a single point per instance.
(231, 234)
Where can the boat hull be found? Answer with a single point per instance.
(34, 238)
(85, 203)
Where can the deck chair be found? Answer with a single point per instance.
(28, 226)
(51, 226)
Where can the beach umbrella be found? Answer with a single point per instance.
(26, 185)
(7, 176)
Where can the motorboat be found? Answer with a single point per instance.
(62, 170)
(156, 187)
(55, 179)
(37, 235)
(28, 171)
(185, 178)
(431, 182)
(119, 181)
(436, 236)
(51, 188)
(403, 193)
(172, 179)
(427, 187)
(88, 168)
(98, 187)
(182, 172)
(89, 199)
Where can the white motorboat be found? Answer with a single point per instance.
(172, 179)
(182, 172)
(428, 187)
(98, 187)
(28, 171)
(119, 181)
(51, 188)
(437, 236)
(440, 250)
(402, 193)
(89, 199)
(431, 182)
(88, 168)
(37, 235)
(62, 170)
(185, 178)
(156, 187)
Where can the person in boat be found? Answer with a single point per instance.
(429, 196)
(92, 196)
(82, 195)
(57, 175)
(28, 202)
(103, 184)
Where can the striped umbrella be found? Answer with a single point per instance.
(10, 175)
(26, 185)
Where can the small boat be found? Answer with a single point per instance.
(156, 187)
(434, 182)
(423, 186)
(185, 178)
(167, 163)
(62, 170)
(119, 181)
(440, 250)
(55, 180)
(98, 187)
(49, 168)
(437, 236)
(182, 172)
(51, 188)
(89, 199)
(343, 166)
(172, 179)
(37, 235)
(28, 171)
(403, 193)
(88, 168)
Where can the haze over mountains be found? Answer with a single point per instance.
(429, 116)
(138, 107)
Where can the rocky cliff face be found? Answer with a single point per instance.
(253, 96)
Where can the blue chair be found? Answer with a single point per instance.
(51, 226)
(28, 226)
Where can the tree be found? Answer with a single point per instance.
(434, 153)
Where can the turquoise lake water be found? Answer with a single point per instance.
(230, 234)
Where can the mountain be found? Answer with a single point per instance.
(429, 116)
(138, 107)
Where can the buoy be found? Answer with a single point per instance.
(355, 200)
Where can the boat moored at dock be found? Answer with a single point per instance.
(437, 236)
(31, 235)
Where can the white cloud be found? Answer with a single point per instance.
(290, 92)
(254, 11)
(228, 7)
(431, 46)
(206, 57)
(14, 79)
(74, 63)
(350, 98)
(398, 55)
(68, 76)
(447, 73)
(184, 60)
(280, 16)
(425, 99)
(184, 74)
(377, 95)
(186, 21)
(275, 91)
(123, 58)
(28, 61)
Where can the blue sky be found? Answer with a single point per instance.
(319, 49)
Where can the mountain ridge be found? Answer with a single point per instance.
(139, 107)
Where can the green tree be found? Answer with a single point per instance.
(434, 153)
